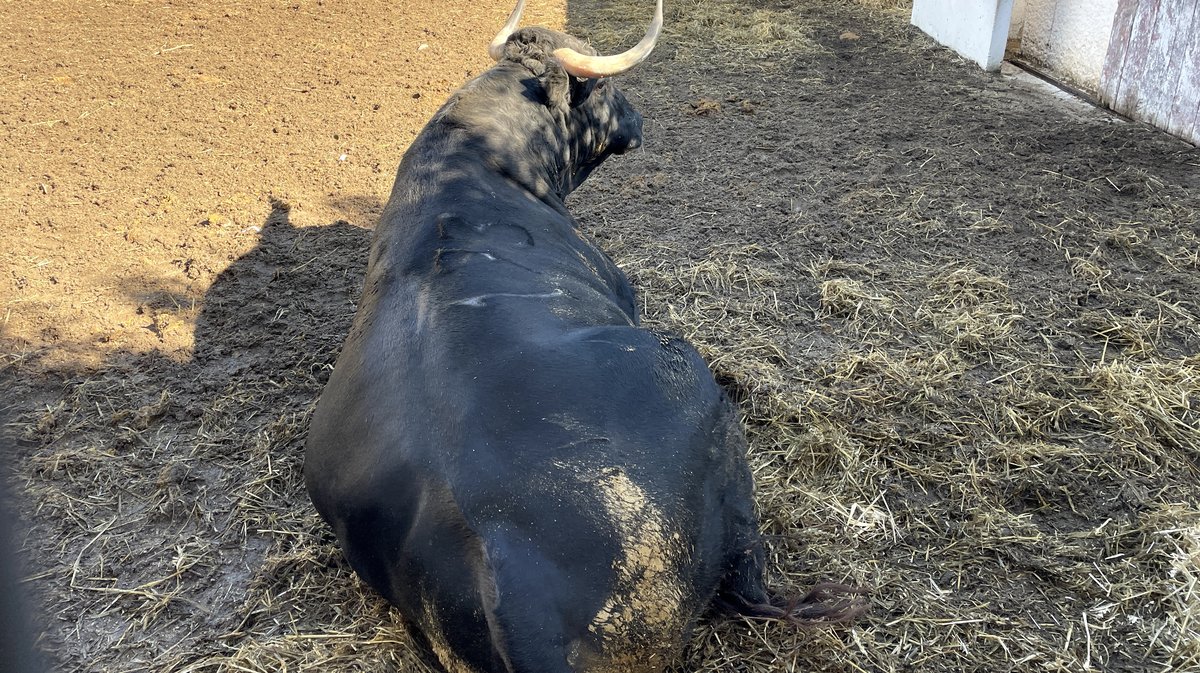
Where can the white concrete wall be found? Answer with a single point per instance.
(1067, 37)
(974, 28)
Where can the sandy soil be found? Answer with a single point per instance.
(148, 139)
(960, 318)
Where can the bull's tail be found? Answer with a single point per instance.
(744, 593)
(826, 603)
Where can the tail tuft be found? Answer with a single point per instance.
(826, 603)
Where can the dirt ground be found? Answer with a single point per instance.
(960, 317)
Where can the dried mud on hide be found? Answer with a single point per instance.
(960, 320)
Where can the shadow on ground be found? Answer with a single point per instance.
(171, 489)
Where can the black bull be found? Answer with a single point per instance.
(538, 483)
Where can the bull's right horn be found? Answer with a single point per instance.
(579, 65)
(496, 49)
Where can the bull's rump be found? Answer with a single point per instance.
(583, 480)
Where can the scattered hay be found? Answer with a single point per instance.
(848, 298)
(971, 308)
(1003, 490)
(707, 29)
(1131, 335)
(1180, 629)
(1125, 236)
(1150, 406)
(1090, 272)
(892, 6)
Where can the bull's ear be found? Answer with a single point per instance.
(557, 85)
(581, 88)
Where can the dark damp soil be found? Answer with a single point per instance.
(960, 316)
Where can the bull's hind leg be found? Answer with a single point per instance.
(742, 590)
(742, 586)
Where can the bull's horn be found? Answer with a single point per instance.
(496, 48)
(605, 66)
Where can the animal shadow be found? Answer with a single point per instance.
(282, 310)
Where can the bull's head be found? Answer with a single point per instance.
(587, 66)
(600, 120)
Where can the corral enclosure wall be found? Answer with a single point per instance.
(1068, 37)
(1140, 58)
(1152, 70)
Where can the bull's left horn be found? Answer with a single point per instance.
(496, 48)
(606, 66)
